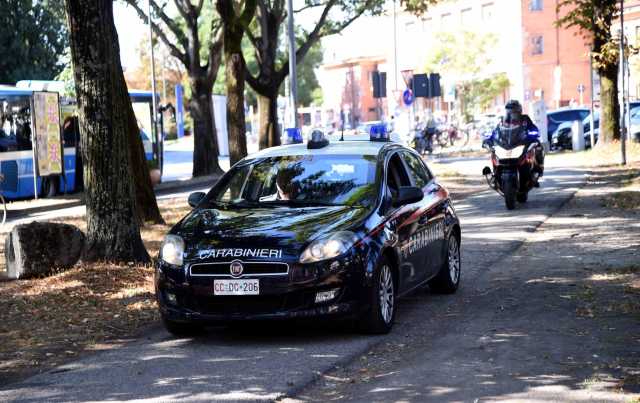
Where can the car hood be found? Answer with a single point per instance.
(278, 233)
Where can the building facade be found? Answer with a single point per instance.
(555, 60)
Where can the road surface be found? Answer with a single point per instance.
(270, 361)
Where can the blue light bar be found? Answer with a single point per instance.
(379, 133)
(293, 135)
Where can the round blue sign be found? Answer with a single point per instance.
(407, 97)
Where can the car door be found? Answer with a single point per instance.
(404, 222)
(432, 212)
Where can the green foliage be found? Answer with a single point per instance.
(418, 7)
(463, 55)
(479, 93)
(307, 81)
(594, 19)
(33, 37)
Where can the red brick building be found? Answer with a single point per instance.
(555, 59)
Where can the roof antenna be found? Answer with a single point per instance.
(342, 129)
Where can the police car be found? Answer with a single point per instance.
(340, 229)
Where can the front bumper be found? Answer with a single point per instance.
(290, 296)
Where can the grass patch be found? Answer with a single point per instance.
(605, 155)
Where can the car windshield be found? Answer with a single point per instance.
(301, 180)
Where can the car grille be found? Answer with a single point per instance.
(250, 304)
(222, 269)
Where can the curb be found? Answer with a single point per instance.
(159, 190)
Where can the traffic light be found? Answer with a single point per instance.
(434, 85)
(420, 85)
(379, 83)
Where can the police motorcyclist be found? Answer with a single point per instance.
(514, 117)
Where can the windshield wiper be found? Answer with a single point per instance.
(302, 203)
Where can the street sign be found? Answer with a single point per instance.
(48, 150)
(407, 97)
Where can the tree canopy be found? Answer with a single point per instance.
(33, 31)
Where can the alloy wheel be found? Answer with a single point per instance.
(454, 260)
(386, 294)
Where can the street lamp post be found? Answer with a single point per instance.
(293, 80)
(154, 104)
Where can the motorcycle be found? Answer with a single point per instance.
(517, 164)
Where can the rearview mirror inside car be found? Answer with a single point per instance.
(195, 198)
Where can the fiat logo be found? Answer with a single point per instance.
(236, 268)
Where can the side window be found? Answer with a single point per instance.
(417, 170)
(396, 175)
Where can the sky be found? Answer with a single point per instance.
(131, 30)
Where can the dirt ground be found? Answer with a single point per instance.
(47, 321)
(557, 320)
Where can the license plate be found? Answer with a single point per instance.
(236, 287)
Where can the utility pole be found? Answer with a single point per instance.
(292, 65)
(395, 48)
(591, 118)
(154, 103)
(623, 132)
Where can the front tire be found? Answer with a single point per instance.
(509, 190)
(382, 301)
(448, 278)
(522, 197)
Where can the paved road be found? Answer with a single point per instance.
(269, 361)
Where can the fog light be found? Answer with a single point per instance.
(171, 298)
(325, 296)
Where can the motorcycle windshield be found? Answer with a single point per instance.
(510, 136)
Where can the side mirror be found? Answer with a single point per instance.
(407, 195)
(195, 198)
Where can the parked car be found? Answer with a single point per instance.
(557, 117)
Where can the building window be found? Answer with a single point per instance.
(445, 21)
(466, 16)
(535, 5)
(410, 27)
(487, 12)
(427, 24)
(537, 45)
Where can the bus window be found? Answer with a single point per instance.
(70, 132)
(15, 132)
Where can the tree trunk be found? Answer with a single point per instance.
(269, 131)
(146, 204)
(113, 233)
(205, 141)
(609, 106)
(235, 71)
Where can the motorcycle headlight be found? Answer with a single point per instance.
(328, 247)
(172, 250)
(503, 153)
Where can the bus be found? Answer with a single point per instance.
(16, 142)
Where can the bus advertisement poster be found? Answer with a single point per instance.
(47, 133)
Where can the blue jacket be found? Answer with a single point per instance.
(533, 134)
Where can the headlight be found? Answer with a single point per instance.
(502, 153)
(172, 250)
(329, 247)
